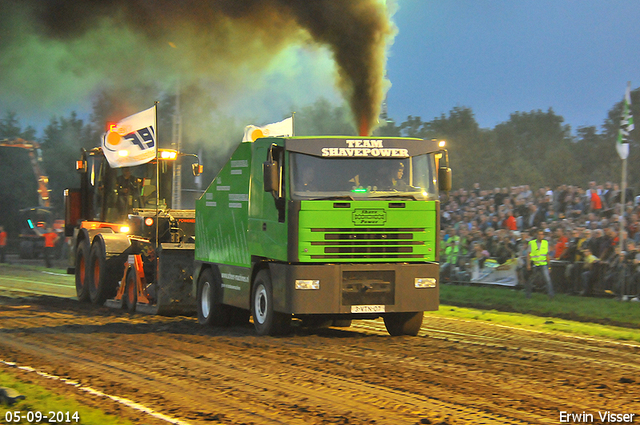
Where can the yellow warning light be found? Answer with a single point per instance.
(166, 154)
(442, 143)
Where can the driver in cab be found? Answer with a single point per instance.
(397, 181)
(128, 191)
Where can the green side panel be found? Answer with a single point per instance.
(222, 213)
(267, 236)
(367, 231)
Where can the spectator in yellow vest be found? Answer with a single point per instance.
(537, 261)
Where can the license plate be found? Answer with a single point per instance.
(367, 309)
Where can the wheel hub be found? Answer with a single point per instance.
(205, 302)
(260, 306)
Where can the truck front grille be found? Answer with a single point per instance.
(369, 243)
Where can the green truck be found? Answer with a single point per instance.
(322, 229)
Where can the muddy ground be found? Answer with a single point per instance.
(454, 372)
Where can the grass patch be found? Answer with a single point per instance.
(39, 399)
(606, 311)
(543, 324)
(9, 268)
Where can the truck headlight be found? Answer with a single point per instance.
(124, 229)
(425, 282)
(307, 284)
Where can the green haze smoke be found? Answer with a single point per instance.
(91, 44)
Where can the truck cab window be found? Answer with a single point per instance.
(315, 177)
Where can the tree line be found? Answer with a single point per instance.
(535, 148)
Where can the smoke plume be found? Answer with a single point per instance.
(125, 42)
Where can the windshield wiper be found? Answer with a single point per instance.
(335, 198)
(404, 195)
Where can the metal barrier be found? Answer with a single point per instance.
(566, 277)
(604, 280)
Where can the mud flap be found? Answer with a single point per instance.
(175, 279)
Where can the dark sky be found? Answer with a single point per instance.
(502, 56)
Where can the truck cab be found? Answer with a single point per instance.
(327, 228)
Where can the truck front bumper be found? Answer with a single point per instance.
(355, 288)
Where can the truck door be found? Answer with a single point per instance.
(267, 215)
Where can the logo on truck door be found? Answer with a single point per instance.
(369, 217)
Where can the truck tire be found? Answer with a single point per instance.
(130, 296)
(265, 319)
(82, 272)
(398, 324)
(102, 281)
(211, 312)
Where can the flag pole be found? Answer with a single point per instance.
(155, 105)
(293, 124)
(623, 186)
(625, 128)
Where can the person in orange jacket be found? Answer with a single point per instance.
(3, 243)
(50, 239)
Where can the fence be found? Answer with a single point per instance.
(567, 278)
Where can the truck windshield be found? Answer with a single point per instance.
(337, 178)
(123, 189)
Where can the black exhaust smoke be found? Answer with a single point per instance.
(216, 37)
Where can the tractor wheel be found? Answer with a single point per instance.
(102, 283)
(211, 311)
(130, 296)
(403, 323)
(82, 272)
(265, 319)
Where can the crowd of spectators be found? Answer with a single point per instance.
(582, 227)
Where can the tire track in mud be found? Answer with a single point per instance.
(566, 346)
(585, 368)
(454, 372)
(307, 392)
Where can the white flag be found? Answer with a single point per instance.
(278, 129)
(132, 141)
(626, 125)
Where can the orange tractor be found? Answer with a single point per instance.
(129, 246)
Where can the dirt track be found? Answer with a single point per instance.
(455, 372)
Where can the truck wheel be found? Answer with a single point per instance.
(265, 320)
(130, 292)
(82, 272)
(403, 323)
(102, 284)
(211, 311)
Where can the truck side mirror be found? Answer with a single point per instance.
(271, 177)
(444, 179)
(197, 169)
